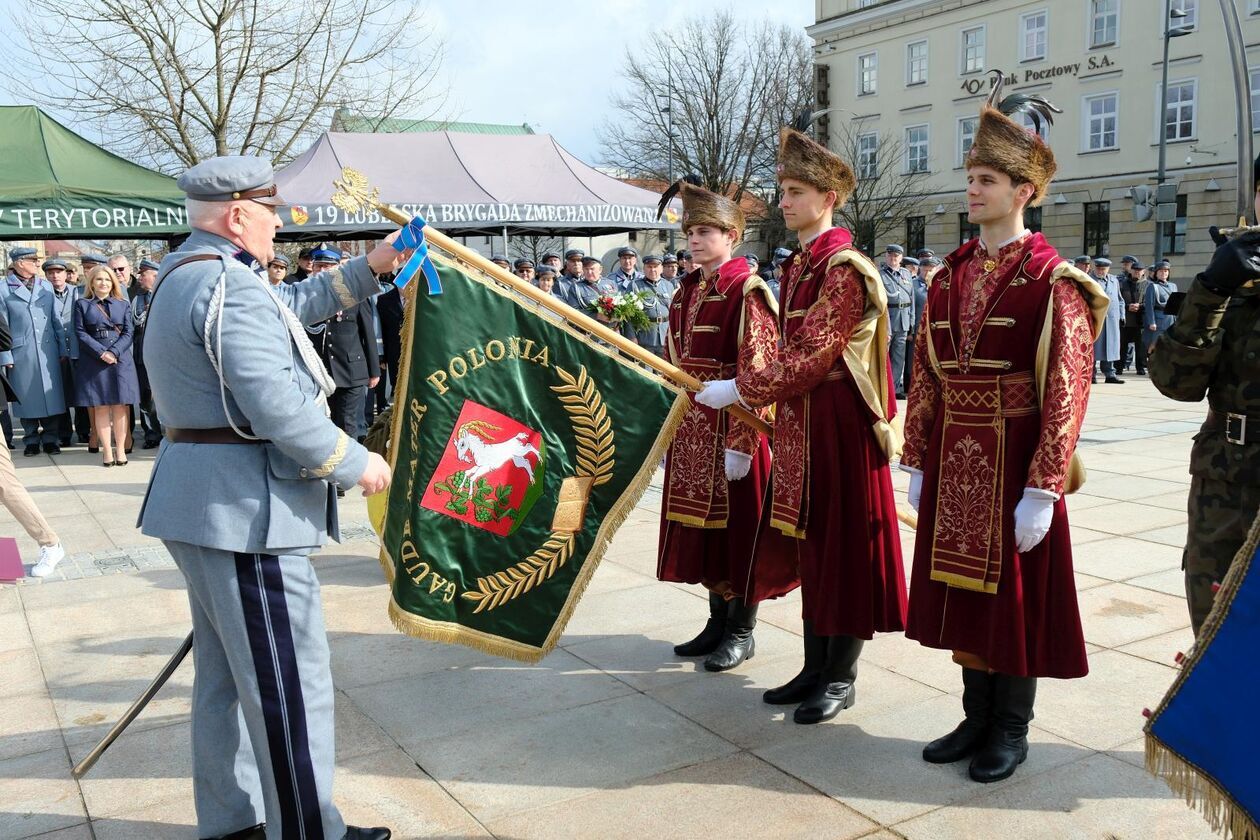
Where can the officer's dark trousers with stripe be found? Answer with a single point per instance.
(262, 709)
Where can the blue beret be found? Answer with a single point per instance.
(894, 249)
(231, 178)
(325, 254)
(145, 265)
(54, 263)
(910, 261)
(627, 251)
(99, 259)
(1102, 261)
(16, 254)
(279, 258)
(651, 258)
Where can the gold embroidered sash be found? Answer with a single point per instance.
(696, 493)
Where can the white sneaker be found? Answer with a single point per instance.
(49, 557)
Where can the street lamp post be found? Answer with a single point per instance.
(1161, 175)
(669, 131)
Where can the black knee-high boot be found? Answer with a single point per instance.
(1007, 745)
(834, 691)
(737, 645)
(977, 702)
(711, 636)
(799, 687)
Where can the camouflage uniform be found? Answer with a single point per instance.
(1214, 350)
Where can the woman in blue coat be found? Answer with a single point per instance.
(1157, 292)
(105, 378)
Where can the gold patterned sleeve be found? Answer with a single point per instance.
(813, 349)
(923, 402)
(1067, 388)
(758, 349)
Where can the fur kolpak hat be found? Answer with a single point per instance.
(1005, 145)
(702, 207)
(803, 159)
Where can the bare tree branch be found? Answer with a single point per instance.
(170, 82)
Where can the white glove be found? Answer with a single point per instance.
(737, 465)
(1033, 516)
(718, 394)
(916, 489)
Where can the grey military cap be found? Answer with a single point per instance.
(232, 178)
(54, 263)
(910, 261)
(16, 254)
(93, 259)
(544, 268)
(278, 258)
(650, 259)
(1083, 258)
(627, 251)
(1102, 261)
(145, 265)
(894, 249)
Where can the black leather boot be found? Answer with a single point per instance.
(353, 832)
(977, 701)
(799, 687)
(834, 690)
(711, 636)
(737, 645)
(1007, 744)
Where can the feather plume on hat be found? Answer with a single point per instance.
(702, 207)
(1005, 145)
(803, 159)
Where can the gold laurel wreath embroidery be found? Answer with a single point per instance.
(595, 460)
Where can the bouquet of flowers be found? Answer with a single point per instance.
(624, 308)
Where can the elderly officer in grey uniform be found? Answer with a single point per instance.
(659, 292)
(899, 286)
(627, 270)
(39, 350)
(241, 495)
(1107, 349)
(590, 286)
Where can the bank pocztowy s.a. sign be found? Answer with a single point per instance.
(1031, 75)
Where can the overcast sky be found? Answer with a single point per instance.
(555, 63)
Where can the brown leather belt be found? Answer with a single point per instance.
(1238, 428)
(221, 435)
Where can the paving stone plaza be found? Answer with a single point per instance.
(611, 735)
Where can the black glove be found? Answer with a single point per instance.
(1235, 262)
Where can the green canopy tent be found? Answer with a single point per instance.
(54, 184)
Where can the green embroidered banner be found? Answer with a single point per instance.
(519, 445)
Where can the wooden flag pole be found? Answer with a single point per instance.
(354, 194)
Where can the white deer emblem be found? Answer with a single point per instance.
(472, 445)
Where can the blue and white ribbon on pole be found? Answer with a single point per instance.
(412, 236)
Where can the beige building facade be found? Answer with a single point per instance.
(921, 69)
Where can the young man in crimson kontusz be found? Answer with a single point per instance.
(832, 489)
(721, 322)
(1001, 378)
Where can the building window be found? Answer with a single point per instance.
(1179, 110)
(1032, 219)
(1032, 28)
(916, 63)
(1097, 227)
(1191, 8)
(1173, 234)
(1104, 16)
(868, 65)
(1100, 121)
(967, 231)
(916, 234)
(1043, 130)
(1255, 98)
(966, 136)
(973, 50)
(866, 236)
(868, 155)
(917, 148)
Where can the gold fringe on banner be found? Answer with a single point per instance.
(1198, 788)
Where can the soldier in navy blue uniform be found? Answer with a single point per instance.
(659, 292)
(899, 287)
(240, 495)
(149, 423)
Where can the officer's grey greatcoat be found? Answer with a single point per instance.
(660, 292)
(1107, 346)
(624, 281)
(899, 287)
(584, 294)
(239, 520)
(38, 344)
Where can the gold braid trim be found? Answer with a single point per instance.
(348, 300)
(334, 460)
